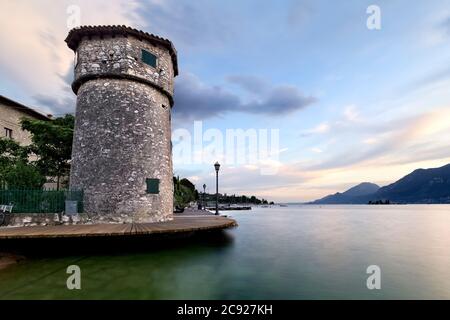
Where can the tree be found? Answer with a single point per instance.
(22, 175)
(183, 194)
(185, 182)
(188, 184)
(15, 170)
(11, 152)
(52, 144)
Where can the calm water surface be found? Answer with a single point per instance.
(298, 252)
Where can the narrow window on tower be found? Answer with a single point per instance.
(149, 58)
(152, 186)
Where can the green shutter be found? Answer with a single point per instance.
(152, 186)
(149, 58)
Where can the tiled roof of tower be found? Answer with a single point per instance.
(75, 35)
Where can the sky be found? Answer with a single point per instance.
(348, 103)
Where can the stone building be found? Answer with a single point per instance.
(11, 112)
(122, 155)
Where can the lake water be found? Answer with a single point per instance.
(295, 252)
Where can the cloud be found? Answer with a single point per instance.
(321, 128)
(251, 84)
(411, 136)
(247, 179)
(58, 105)
(351, 114)
(34, 53)
(196, 100)
(281, 100)
(191, 23)
(316, 150)
(43, 63)
(370, 141)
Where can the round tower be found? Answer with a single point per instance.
(122, 154)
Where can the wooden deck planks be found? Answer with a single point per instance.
(178, 225)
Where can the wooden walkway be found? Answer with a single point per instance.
(178, 225)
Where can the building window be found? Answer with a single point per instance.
(149, 58)
(152, 186)
(8, 133)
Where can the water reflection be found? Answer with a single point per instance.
(123, 245)
(303, 252)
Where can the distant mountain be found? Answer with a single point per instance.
(420, 186)
(362, 189)
(356, 194)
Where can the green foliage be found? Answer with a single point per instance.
(188, 184)
(15, 170)
(52, 144)
(11, 152)
(185, 182)
(184, 192)
(235, 199)
(22, 175)
(52, 147)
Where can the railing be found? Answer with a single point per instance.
(41, 201)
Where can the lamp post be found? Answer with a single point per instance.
(204, 196)
(217, 167)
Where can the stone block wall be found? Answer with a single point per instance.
(122, 138)
(122, 55)
(122, 124)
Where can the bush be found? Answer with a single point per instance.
(21, 175)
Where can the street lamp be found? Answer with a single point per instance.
(217, 167)
(204, 196)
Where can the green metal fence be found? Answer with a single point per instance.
(41, 201)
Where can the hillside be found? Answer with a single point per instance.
(354, 195)
(420, 186)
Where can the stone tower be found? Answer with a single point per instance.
(122, 154)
